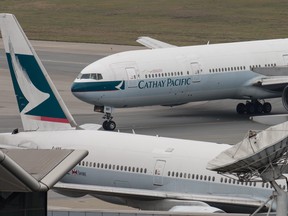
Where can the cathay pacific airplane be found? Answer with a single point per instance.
(168, 75)
(150, 173)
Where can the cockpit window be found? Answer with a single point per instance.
(85, 76)
(95, 76)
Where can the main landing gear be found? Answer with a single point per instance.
(108, 124)
(254, 107)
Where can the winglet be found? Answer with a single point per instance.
(40, 105)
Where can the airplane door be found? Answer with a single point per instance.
(158, 172)
(132, 77)
(285, 59)
(196, 70)
(131, 73)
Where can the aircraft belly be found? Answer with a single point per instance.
(208, 187)
(194, 188)
(255, 92)
(167, 204)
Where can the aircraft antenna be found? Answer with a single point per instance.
(260, 155)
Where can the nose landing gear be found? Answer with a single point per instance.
(108, 124)
(254, 107)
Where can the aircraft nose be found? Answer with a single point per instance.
(78, 90)
(74, 88)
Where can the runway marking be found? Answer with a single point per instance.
(55, 61)
(64, 62)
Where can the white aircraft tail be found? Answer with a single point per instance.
(40, 105)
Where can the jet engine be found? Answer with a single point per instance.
(285, 97)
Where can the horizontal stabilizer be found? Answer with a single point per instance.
(90, 126)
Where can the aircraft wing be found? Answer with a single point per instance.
(153, 43)
(276, 83)
(152, 194)
(4, 146)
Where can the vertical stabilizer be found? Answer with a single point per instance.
(40, 105)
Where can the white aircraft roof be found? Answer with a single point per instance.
(24, 170)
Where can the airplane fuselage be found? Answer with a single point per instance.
(173, 76)
(150, 163)
(140, 171)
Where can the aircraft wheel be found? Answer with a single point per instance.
(250, 108)
(111, 125)
(241, 108)
(267, 107)
(259, 108)
(105, 125)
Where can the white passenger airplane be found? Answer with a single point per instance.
(150, 173)
(169, 75)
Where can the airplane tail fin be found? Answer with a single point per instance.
(40, 105)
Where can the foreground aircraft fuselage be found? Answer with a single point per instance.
(178, 75)
(157, 172)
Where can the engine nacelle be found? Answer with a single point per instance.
(69, 193)
(285, 97)
(197, 207)
(174, 206)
